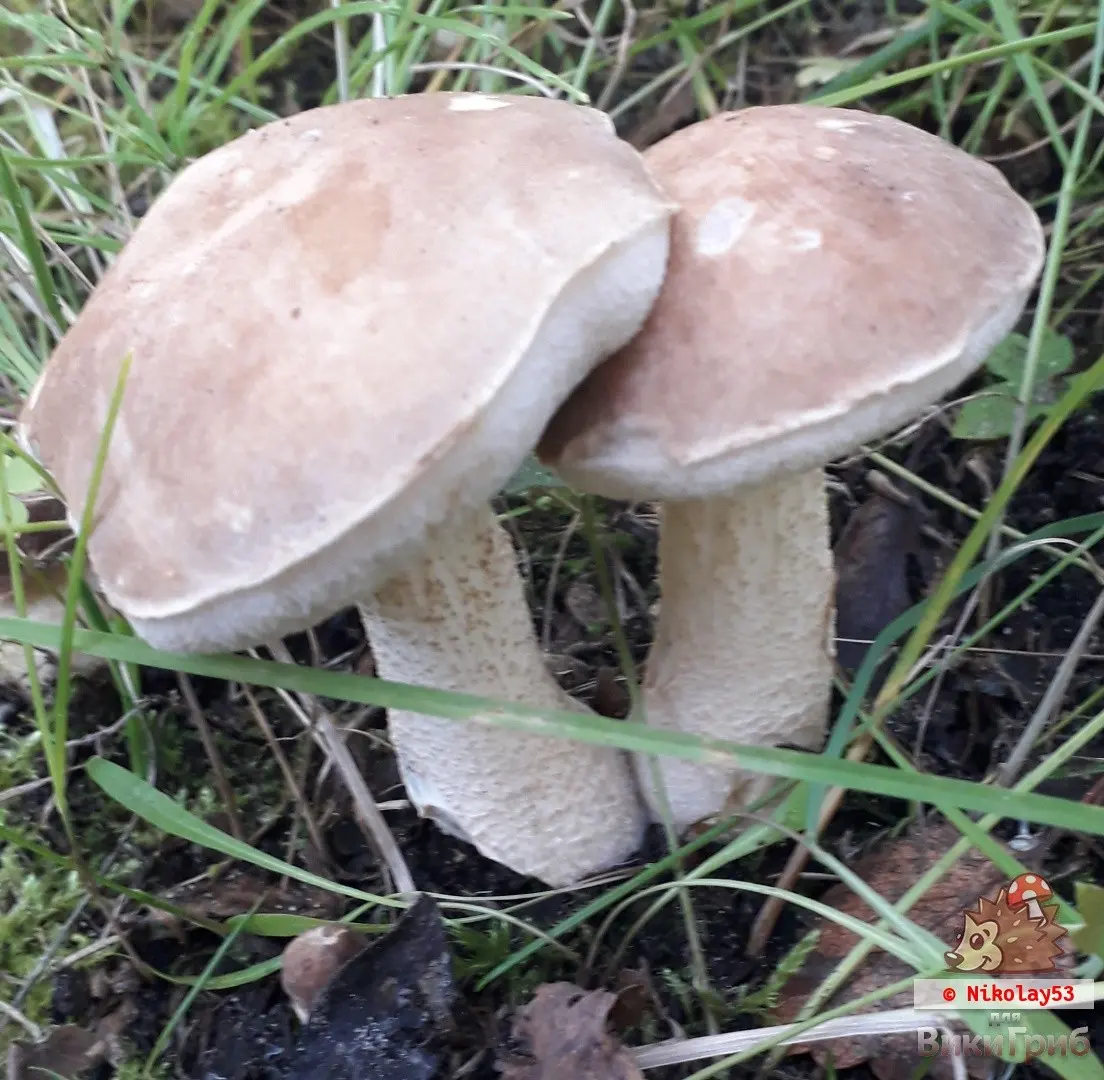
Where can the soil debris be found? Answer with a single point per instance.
(66, 1051)
(561, 1035)
(384, 1012)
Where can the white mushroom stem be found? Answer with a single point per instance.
(458, 620)
(743, 646)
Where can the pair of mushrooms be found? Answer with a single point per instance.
(348, 328)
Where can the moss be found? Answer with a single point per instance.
(35, 901)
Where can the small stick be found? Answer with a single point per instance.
(375, 827)
(226, 792)
(285, 769)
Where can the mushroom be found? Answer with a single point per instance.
(1030, 889)
(310, 962)
(347, 330)
(831, 274)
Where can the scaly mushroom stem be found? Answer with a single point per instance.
(458, 620)
(743, 646)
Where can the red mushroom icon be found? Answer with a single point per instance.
(1030, 889)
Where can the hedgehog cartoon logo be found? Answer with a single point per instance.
(1014, 934)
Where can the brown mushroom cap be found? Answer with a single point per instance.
(345, 327)
(831, 273)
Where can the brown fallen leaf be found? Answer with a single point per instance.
(584, 604)
(235, 890)
(561, 1035)
(66, 1051)
(891, 871)
(872, 586)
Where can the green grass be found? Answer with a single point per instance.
(100, 104)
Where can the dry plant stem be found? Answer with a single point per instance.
(363, 802)
(226, 792)
(458, 621)
(285, 770)
(743, 644)
(1052, 699)
(889, 1022)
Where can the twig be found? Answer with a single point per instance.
(12, 1013)
(285, 768)
(372, 821)
(226, 792)
(1006, 774)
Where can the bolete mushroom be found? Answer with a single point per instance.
(831, 274)
(347, 330)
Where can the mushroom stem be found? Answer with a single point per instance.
(457, 620)
(743, 647)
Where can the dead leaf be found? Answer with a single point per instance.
(636, 998)
(872, 586)
(890, 871)
(66, 1051)
(562, 1035)
(569, 671)
(234, 890)
(385, 1010)
(584, 604)
(611, 695)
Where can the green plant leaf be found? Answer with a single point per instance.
(993, 415)
(17, 513)
(1008, 359)
(531, 474)
(990, 416)
(22, 477)
(1090, 903)
(158, 809)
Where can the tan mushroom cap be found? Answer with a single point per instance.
(345, 327)
(831, 273)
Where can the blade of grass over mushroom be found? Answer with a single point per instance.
(875, 779)
(57, 755)
(975, 833)
(15, 569)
